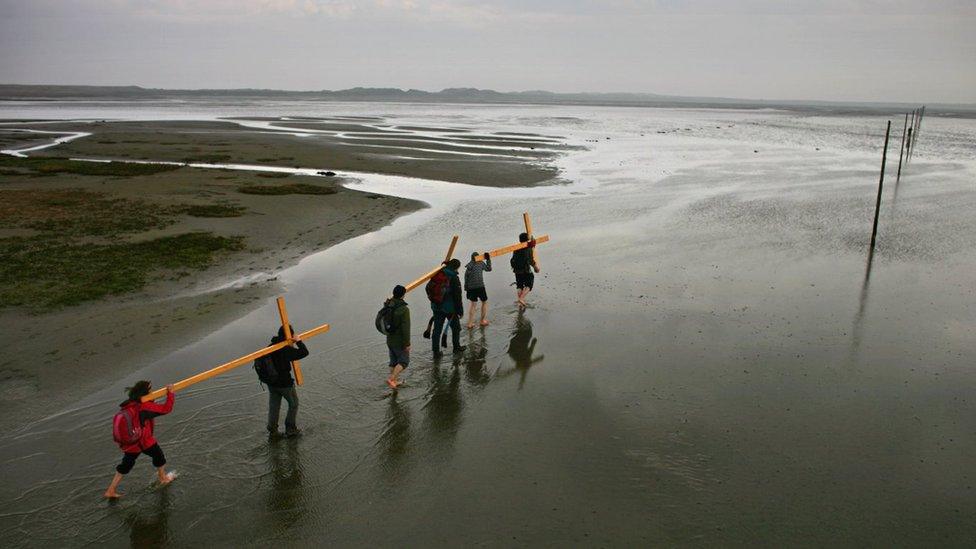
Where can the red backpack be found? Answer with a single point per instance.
(437, 287)
(126, 428)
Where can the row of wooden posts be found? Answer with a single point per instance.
(909, 138)
(290, 338)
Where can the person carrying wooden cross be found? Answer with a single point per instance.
(523, 264)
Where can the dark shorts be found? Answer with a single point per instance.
(477, 293)
(524, 280)
(129, 459)
(399, 356)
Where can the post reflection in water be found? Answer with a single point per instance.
(521, 347)
(857, 332)
(150, 527)
(285, 498)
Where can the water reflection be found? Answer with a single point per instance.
(150, 527)
(395, 440)
(862, 306)
(444, 404)
(476, 359)
(521, 347)
(285, 498)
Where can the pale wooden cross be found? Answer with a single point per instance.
(531, 244)
(227, 366)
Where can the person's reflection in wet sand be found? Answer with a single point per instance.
(475, 361)
(521, 347)
(150, 528)
(285, 499)
(395, 440)
(444, 405)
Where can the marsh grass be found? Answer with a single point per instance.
(79, 213)
(294, 188)
(50, 166)
(214, 210)
(44, 273)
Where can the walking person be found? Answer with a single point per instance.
(523, 265)
(133, 431)
(444, 292)
(474, 287)
(397, 321)
(282, 386)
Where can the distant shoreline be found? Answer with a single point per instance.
(27, 92)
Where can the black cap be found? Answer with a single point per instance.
(399, 291)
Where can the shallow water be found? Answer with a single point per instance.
(704, 361)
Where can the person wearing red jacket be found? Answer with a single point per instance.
(147, 412)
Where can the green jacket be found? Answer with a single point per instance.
(399, 338)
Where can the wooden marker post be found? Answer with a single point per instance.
(877, 205)
(227, 366)
(283, 313)
(528, 230)
(901, 151)
(450, 253)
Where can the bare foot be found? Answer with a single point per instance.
(391, 383)
(484, 322)
(470, 325)
(111, 494)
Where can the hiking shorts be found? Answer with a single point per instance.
(399, 356)
(129, 459)
(524, 280)
(475, 294)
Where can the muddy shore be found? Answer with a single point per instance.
(82, 345)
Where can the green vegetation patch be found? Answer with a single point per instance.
(294, 188)
(214, 210)
(43, 273)
(49, 166)
(274, 175)
(76, 212)
(207, 158)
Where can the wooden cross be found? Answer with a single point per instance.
(435, 270)
(531, 244)
(227, 366)
(528, 231)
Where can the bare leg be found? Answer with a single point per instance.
(112, 492)
(394, 372)
(484, 313)
(474, 305)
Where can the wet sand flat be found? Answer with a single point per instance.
(228, 142)
(705, 361)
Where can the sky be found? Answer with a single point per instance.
(853, 50)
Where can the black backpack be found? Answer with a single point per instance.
(264, 366)
(384, 318)
(520, 260)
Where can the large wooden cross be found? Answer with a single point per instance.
(531, 244)
(432, 272)
(227, 366)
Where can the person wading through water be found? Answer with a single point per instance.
(282, 386)
(523, 263)
(444, 292)
(474, 287)
(396, 319)
(132, 429)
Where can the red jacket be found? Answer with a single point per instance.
(147, 413)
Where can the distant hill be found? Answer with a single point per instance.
(14, 92)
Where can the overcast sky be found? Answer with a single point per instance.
(897, 50)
